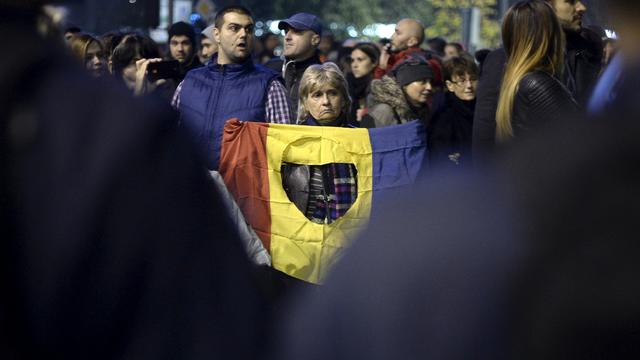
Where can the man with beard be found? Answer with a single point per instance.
(230, 86)
(182, 47)
(582, 64)
(405, 43)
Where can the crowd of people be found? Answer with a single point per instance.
(120, 245)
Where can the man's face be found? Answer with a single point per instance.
(300, 44)
(208, 48)
(181, 48)
(400, 38)
(234, 38)
(570, 13)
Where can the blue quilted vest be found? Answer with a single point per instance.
(213, 94)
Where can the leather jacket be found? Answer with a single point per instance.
(540, 99)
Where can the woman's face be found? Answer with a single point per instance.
(325, 104)
(419, 92)
(361, 63)
(464, 87)
(95, 60)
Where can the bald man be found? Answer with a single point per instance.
(405, 42)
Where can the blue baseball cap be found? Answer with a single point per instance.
(302, 21)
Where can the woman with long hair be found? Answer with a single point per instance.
(90, 51)
(364, 59)
(531, 94)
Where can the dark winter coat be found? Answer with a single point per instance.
(484, 121)
(582, 64)
(450, 133)
(113, 240)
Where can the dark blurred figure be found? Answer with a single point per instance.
(610, 48)
(113, 240)
(328, 47)
(364, 59)
(183, 47)
(452, 50)
(451, 127)
(537, 261)
(437, 45)
(90, 51)
(271, 42)
(110, 40)
(68, 30)
(481, 56)
(618, 90)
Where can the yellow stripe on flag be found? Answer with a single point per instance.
(300, 247)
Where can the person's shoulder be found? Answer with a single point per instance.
(537, 79)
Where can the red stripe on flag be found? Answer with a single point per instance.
(244, 170)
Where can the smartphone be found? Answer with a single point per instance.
(163, 70)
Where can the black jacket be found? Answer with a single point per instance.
(541, 99)
(484, 122)
(450, 133)
(582, 64)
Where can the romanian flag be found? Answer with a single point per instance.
(250, 162)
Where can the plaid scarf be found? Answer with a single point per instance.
(332, 190)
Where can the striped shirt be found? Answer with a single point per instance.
(277, 107)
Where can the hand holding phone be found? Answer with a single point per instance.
(163, 70)
(385, 54)
(146, 83)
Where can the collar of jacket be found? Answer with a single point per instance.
(301, 65)
(230, 68)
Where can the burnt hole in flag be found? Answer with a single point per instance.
(323, 193)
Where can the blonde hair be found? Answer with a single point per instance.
(318, 76)
(80, 43)
(533, 40)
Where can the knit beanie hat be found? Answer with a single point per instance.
(412, 70)
(208, 32)
(182, 28)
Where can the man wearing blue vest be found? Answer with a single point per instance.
(230, 86)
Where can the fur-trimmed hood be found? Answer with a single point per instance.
(387, 91)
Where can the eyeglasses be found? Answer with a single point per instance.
(471, 81)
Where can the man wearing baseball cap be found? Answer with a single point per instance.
(301, 40)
